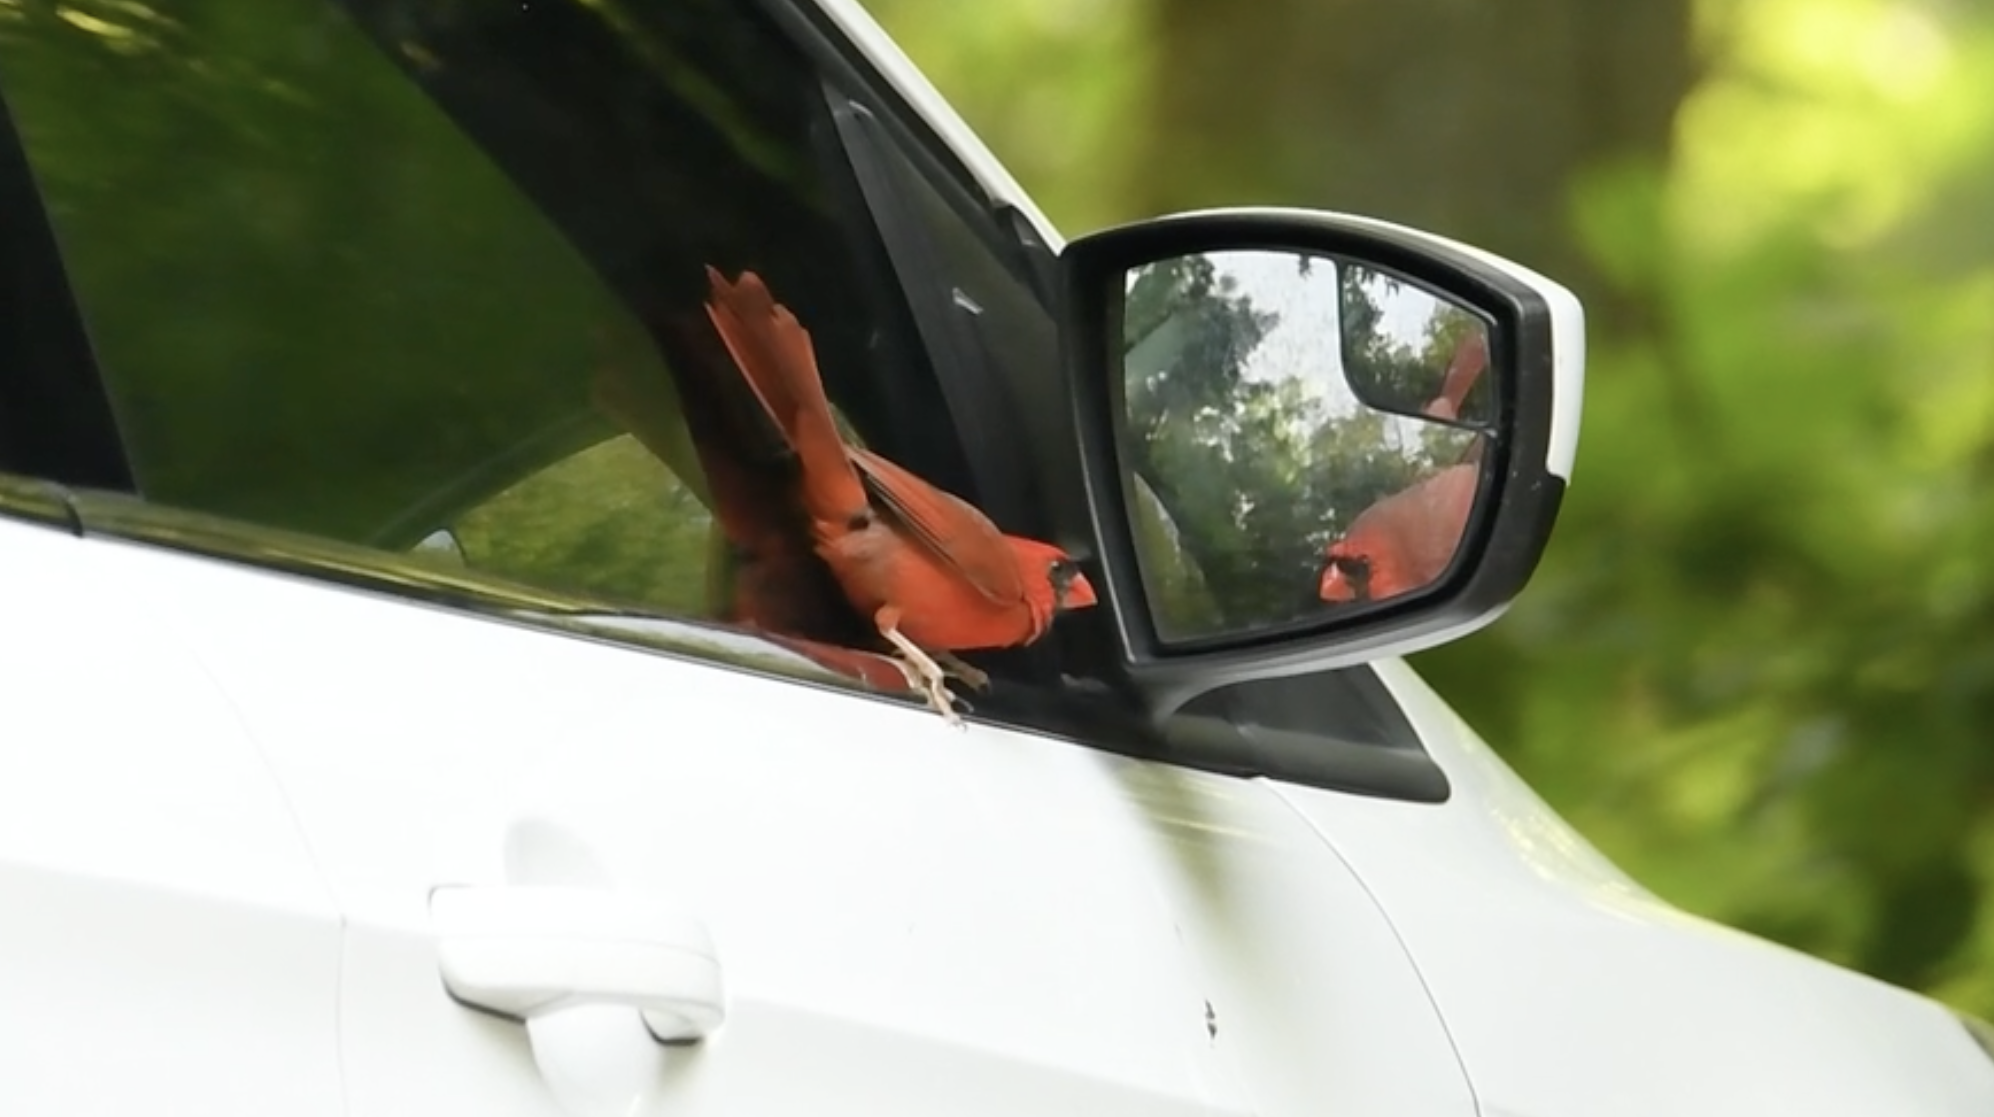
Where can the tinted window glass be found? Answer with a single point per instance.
(428, 278)
(319, 304)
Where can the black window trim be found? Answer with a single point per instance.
(843, 65)
(979, 411)
(56, 420)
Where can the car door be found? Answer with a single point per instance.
(398, 312)
(165, 941)
(907, 918)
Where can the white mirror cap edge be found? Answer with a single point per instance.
(1568, 328)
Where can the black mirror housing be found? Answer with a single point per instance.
(1447, 379)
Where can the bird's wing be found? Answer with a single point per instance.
(949, 527)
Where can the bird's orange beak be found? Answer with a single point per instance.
(1336, 586)
(1077, 594)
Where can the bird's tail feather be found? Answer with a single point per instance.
(775, 356)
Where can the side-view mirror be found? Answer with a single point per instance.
(1312, 439)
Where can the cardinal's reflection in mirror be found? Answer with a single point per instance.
(1405, 542)
(1301, 433)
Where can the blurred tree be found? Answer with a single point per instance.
(1473, 120)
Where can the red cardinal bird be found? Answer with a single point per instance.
(778, 584)
(779, 587)
(931, 571)
(1405, 541)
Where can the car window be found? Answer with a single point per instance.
(318, 304)
(428, 280)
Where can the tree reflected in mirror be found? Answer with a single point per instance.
(1302, 434)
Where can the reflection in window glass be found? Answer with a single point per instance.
(572, 524)
(321, 304)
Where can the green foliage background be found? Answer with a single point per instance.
(1757, 667)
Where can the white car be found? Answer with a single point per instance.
(373, 743)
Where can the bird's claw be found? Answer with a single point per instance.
(926, 677)
(944, 702)
(973, 677)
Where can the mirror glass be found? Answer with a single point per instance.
(1302, 434)
(1410, 352)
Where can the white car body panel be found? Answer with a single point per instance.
(909, 918)
(160, 917)
(1568, 989)
(1038, 925)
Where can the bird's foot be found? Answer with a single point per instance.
(925, 675)
(969, 675)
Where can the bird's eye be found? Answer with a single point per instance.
(1354, 566)
(1063, 568)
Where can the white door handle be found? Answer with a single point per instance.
(523, 950)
